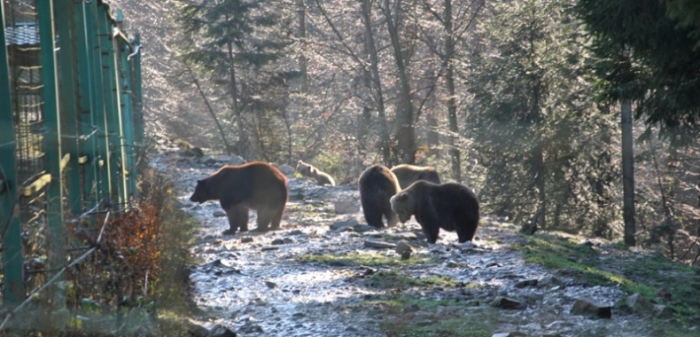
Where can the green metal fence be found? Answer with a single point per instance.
(71, 129)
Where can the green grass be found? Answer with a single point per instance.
(393, 280)
(363, 259)
(469, 322)
(643, 275)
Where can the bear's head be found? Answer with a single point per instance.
(201, 192)
(303, 168)
(403, 205)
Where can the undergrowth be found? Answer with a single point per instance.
(634, 273)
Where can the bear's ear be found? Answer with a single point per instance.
(402, 197)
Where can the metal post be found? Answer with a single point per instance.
(12, 261)
(101, 162)
(87, 106)
(69, 107)
(52, 142)
(112, 102)
(138, 96)
(127, 109)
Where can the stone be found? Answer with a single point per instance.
(219, 214)
(287, 170)
(269, 248)
(247, 239)
(362, 228)
(640, 305)
(379, 244)
(278, 241)
(270, 284)
(509, 334)
(346, 206)
(340, 225)
(507, 303)
(196, 330)
(220, 331)
(663, 312)
(403, 247)
(587, 307)
(526, 283)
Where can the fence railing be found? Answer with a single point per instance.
(71, 129)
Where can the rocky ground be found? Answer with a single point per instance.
(326, 273)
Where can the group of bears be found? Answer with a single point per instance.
(391, 194)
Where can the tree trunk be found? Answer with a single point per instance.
(451, 102)
(229, 149)
(374, 63)
(628, 174)
(233, 91)
(301, 35)
(405, 133)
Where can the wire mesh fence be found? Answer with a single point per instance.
(71, 129)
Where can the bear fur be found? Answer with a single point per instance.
(408, 174)
(377, 185)
(451, 206)
(308, 170)
(255, 185)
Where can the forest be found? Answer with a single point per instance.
(578, 116)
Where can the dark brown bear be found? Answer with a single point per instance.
(308, 170)
(256, 185)
(377, 185)
(451, 206)
(409, 174)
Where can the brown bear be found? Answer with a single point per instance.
(255, 185)
(408, 174)
(377, 185)
(308, 170)
(451, 206)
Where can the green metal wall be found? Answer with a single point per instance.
(71, 128)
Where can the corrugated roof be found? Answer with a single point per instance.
(22, 34)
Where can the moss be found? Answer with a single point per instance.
(362, 259)
(394, 280)
(635, 274)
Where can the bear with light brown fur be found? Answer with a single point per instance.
(408, 174)
(308, 170)
(256, 185)
(451, 206)
(377, 185)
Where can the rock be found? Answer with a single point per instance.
(287, 170)
(526, 283)
(507, 303)
(362, 228)
(247, 239)
(411, 308)
(403, 247)
(196, 330)
(549, 281)
(662, 311)
(640, 305)
(295, 232)
(342, 225)
(346, 206)
(589, 308)
(231, 160)
(220, 331)
(270, 284)
(278, 241)
(509, 334)
(378, 244)
(219, 214)
(452, 264)
(663, 295)
(269, 248)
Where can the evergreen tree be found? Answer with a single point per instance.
(536, 129)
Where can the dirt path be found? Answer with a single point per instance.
(316, 277)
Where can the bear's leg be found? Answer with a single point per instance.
(466, 227)
(237, 218)
(276, 218)
(431, 227)
(373, 216)
(391, 218)
(242, 218)
(263, 220)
